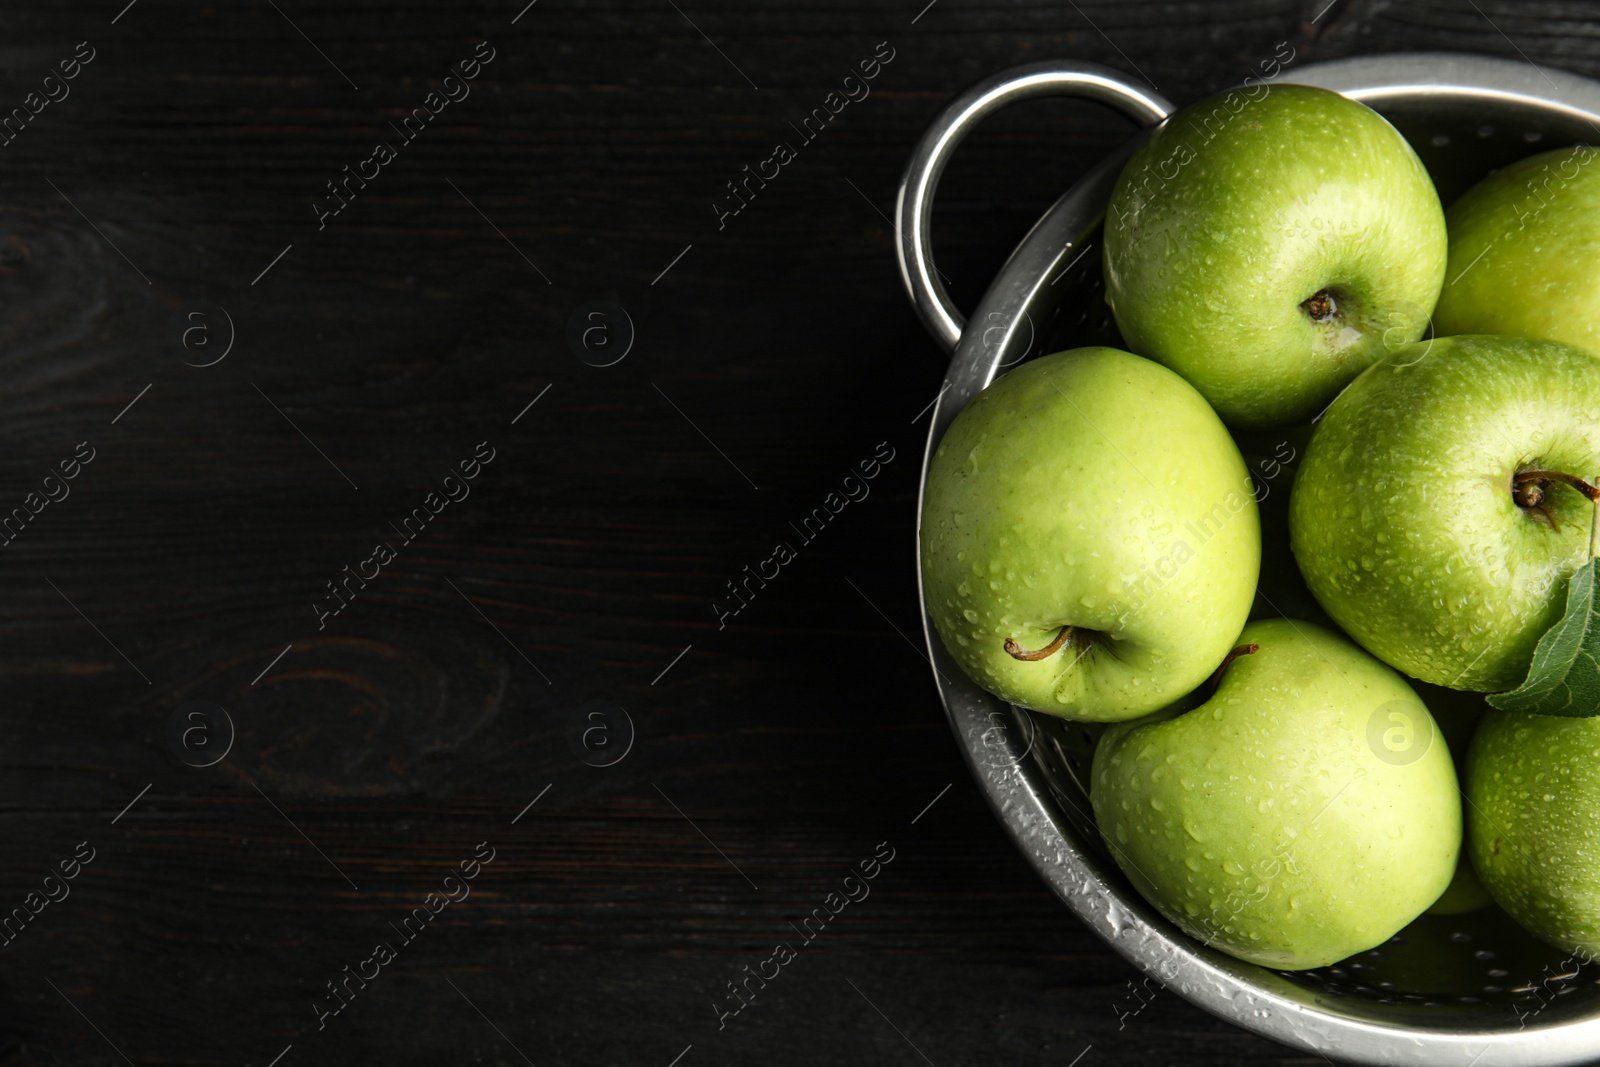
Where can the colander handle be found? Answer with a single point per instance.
(913, 207)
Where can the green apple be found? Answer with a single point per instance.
(1457, 713)
(1464, 893)
(1307, 811)
(1430, 514)
(1533, 824)
(1525, 252)
(1089, 539)
(1269, 244)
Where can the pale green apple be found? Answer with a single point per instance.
(1089, 537)
(1464, 893)
(1413, 515)
(1533, 826)
(1525, 252)
(1305, 812)
(1269, 244)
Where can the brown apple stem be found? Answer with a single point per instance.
(1242, 650)
(1528, 488)
(1016, 651)
(1320, 305)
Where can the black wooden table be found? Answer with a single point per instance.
(410, 671)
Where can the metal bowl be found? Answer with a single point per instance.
(1471, 990)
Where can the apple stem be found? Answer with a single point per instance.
(1527, 487)
(1594, 529)
(1016, 651)
(1242, 650)
(1320, 305)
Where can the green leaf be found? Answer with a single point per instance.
(1564, 678)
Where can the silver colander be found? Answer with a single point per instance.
(1470, 990)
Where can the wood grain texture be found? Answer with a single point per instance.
(427, 715)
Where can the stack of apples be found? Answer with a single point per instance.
(1280, 784)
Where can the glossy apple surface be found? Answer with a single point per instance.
(1405, 519)
(1533, 826)
(1269, 244)
(1305, 812)
(1092, 490)
(1524, 250)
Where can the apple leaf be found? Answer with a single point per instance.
(1564, 678)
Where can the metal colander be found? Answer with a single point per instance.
(1470, 990)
